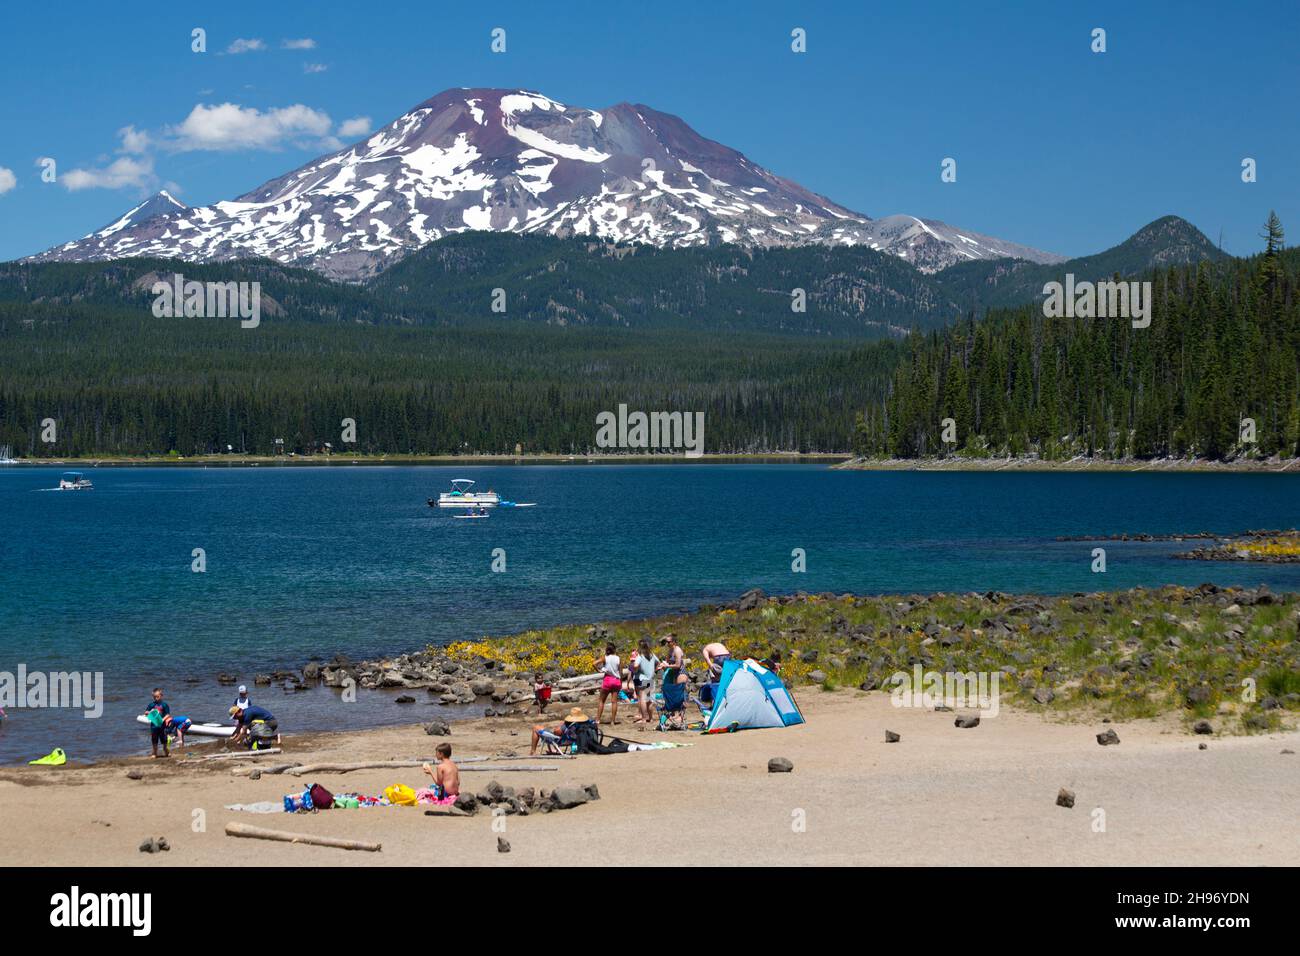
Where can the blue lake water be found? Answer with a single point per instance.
(305, 561)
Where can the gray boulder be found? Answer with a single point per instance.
(566, 798)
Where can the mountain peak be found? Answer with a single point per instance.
(515, 160)
(1171, 240)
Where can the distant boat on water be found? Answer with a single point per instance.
(73, 481)
(6, 455)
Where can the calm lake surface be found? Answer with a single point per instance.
(311, 561)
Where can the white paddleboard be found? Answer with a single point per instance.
(209, 729)
(469, 517)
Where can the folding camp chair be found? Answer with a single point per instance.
(553, 742)
(672, 709)
(582, 737)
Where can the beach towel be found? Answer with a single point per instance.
(262, 806)
(429, 795)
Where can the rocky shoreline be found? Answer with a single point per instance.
(1234, 554)
(957, 462)
(1129, 653)
(1261, 545)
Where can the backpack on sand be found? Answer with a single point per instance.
(321, 798)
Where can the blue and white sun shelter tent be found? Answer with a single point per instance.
(749, 695)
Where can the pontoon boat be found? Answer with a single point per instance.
(462, 495)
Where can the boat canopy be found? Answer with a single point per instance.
(461, 484)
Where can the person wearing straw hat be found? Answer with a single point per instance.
(556, 735)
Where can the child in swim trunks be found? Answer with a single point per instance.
(446, 776)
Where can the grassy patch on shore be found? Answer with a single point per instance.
(1228, 655)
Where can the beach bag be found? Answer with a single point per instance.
(321, 798)
(611, 745)
(400, 795)
(586, 737)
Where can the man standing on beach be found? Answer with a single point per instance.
(715, 655)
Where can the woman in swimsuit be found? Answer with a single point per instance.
(610, 684)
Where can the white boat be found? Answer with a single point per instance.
(74, 481)
(207, 729)
(463, 495)
(7, 455)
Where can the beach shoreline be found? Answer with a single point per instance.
(916, 771)
(1157, 797)
(343, 460)
(844, 461)
(1143, 656)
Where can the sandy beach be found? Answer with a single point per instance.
(940, 796)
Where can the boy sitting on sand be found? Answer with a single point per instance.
(446, 776)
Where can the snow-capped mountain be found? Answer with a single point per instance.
(517, 161)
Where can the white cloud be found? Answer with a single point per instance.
(246, 46)
(306, 43)
(134, 140)
(231, 127)
(7, 180)
(357, 126)
(314, 68)
(118, 174)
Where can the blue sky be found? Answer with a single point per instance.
(1056, 146)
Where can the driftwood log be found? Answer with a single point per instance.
(402, 765)
(569, 683)
(282, 836)
(239, 756)
(300, 769)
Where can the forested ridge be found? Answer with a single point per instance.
(122, 383)
(1223, 348)
(440, 374)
